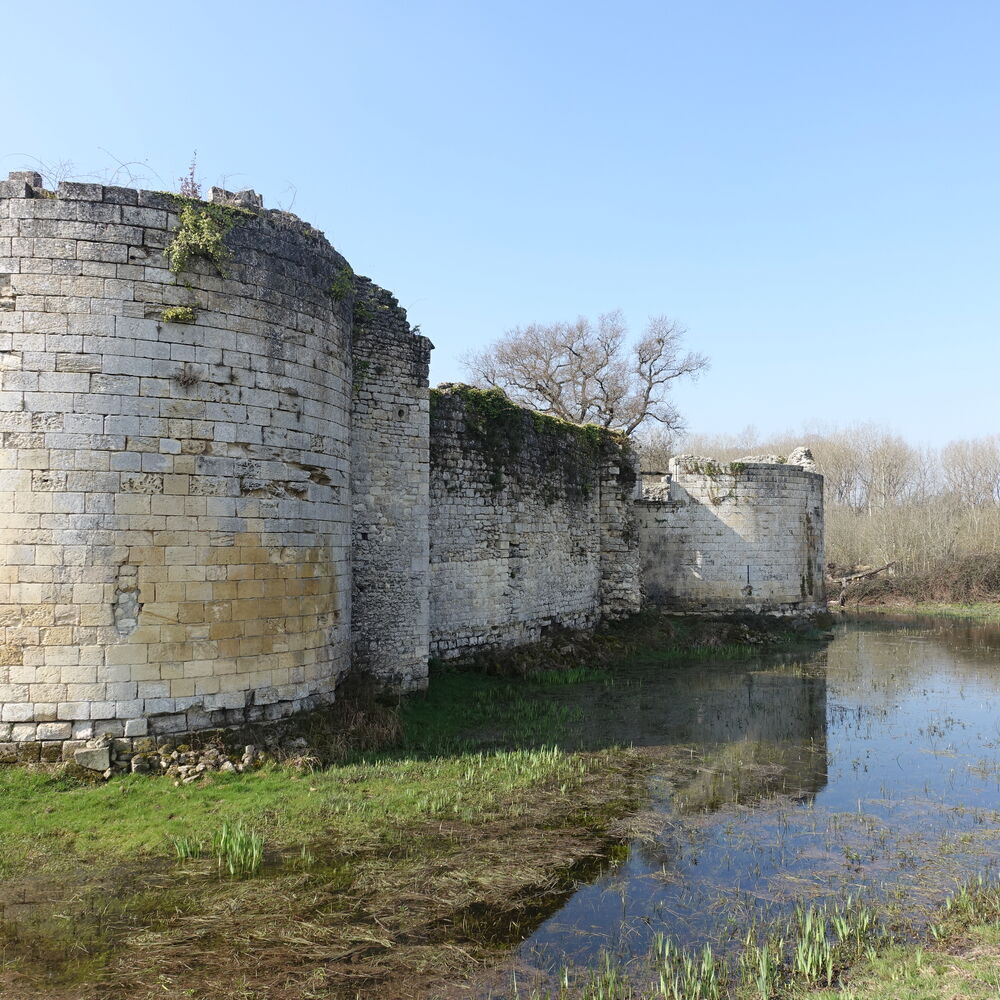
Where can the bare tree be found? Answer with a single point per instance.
(972, 470)
(657, 445)
(589, 373)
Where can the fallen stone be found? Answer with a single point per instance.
(93, 758)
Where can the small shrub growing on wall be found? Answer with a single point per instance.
(202, 232)
(343, 284)
(178, 314)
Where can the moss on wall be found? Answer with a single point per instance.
(508, 436)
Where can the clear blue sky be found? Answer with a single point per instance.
(812, 189)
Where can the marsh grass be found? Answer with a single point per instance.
(238, 850)
(450, 826)
(812, 949)
(398, 850)
(687, 975)
(960, 959)
(981, 611)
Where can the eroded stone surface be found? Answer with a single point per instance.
(743, 535)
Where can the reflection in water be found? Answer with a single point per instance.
(869, 769)
(759, 733)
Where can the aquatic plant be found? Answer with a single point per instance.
(238, 850)
(687, 975)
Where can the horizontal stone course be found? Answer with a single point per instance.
(524, 541)
(120, 608)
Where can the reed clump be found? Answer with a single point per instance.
(238, 850)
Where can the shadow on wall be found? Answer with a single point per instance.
(739, 535)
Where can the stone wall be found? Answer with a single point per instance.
(389, 475)
(744, 535)
(174, 496)
(531, 524)
(223, 483)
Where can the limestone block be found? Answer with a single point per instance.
(93, 758)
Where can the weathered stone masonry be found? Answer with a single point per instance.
(746, 534)
(175, 497)
(531, 521)
(207, 521)
(389, 466)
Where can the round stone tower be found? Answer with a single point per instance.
(174, 472)
(739, 535)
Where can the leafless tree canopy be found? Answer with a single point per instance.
(588, 372)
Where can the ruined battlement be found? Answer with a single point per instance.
(224, 482)
(531, 523)
(743, 534)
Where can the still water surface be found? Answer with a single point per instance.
(868, 768)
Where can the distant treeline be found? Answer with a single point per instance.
(935, 512)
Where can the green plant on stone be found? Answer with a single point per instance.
(361, 369)
(502, 428)
(178, 314)
(201, 232)
(362, 313)
(343, 284)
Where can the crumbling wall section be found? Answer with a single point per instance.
(741, 535)
(390, 482)
(531, 524)
(174, 491)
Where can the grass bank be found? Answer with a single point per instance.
(980, 611)
(961, 957)
(401, 869)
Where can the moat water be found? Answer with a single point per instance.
(869, 768)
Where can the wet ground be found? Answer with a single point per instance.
(869, 769)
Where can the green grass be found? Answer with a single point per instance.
(822, 953)
(238, 851)
(806, 953)
(968, 972)
(472, 814)
(53, 823)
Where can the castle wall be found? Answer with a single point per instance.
(390, 465)
(744, 535)
(531, 524)
(174, 496)
(223, 486)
